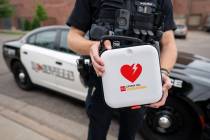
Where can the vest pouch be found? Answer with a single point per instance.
(112, 4)
(144, 21)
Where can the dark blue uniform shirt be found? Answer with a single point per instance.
(86, 11)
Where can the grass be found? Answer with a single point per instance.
(10, 32)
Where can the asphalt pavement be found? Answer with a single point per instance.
(197, 42)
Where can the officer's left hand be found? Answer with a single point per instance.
(166, 86)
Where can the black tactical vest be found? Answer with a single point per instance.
(137, 18)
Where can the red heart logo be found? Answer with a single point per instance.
(131, 73)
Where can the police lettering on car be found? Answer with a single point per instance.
(47, 69)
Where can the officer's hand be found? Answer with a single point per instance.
(97, 62)
(166, 86)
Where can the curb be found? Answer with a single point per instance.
(33, 125)
(43, 122)
(15, 32)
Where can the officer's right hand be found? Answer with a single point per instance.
(97, 62)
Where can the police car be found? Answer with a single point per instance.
(42, 58)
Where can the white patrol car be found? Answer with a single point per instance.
(42, 58)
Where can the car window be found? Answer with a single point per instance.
(63, 41)
(31, 39)
(63, 46)
(46, 39)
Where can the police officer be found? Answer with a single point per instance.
(88, 12)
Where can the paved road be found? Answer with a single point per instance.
(67, 107)
(196, 42)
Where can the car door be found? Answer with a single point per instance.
(37, 55)
(68, 81)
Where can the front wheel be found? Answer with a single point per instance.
(21, 76)
(175, 121)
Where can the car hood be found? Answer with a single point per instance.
(13, 43)
(193, 65)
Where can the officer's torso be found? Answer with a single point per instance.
(97, 5)
(145, 20)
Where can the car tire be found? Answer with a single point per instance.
(21, 76)
(175, 121)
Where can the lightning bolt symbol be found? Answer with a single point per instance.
(134, 66)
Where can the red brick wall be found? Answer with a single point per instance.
(57, 10)
(180, 7)
(201, 6)
(189, 8)
(23, 8)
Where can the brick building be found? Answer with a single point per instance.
(57, 10)
(193, 12)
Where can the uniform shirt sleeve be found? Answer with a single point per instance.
(81, 16)
(169, 23)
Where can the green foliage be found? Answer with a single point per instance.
(35, 23)
(27, 25)
(6, 9)
(41, 13)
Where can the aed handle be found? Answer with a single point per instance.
(113, 38)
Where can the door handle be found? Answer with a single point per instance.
(58, 63)
(25, 52)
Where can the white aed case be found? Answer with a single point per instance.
(132, 76)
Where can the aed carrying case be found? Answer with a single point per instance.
(132, 73)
